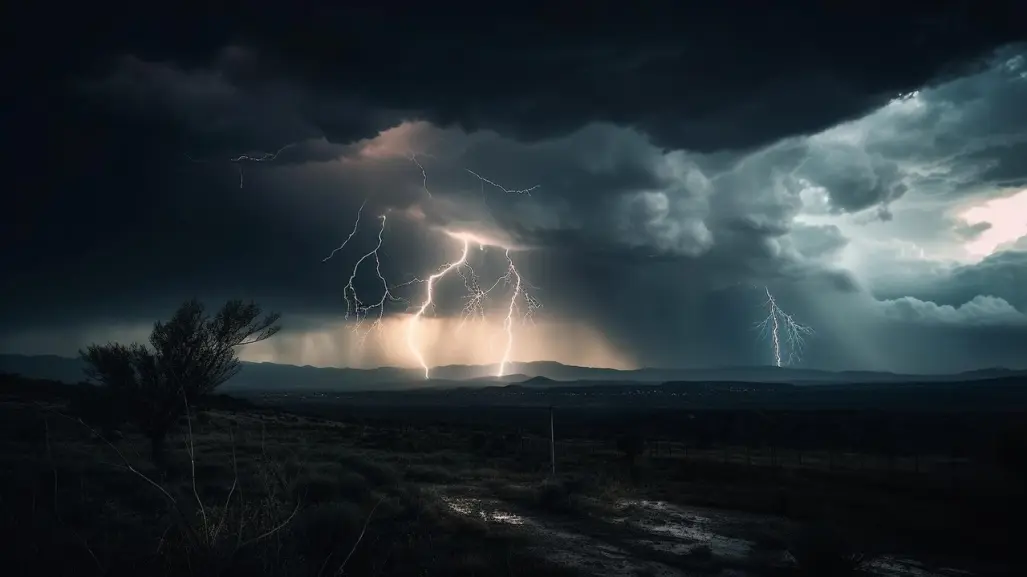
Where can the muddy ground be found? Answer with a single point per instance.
(388, 501)
(657, 538)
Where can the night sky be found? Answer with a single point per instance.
(865, 162)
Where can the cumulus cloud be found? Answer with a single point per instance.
(979, 311)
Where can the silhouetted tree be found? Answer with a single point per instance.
(188, 356)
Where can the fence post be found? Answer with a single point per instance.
(552, 442)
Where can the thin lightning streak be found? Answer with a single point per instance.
(429, 302)
(424, 175)
(474, 308)
(358, 309)
(778, 321)
(508, 321)
(526, 191)
(356, 225)
(265, 157)
(243, 158)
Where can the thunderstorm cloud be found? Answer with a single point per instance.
(650, 171)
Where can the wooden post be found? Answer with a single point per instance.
(552, 442)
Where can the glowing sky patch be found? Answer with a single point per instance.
(1007, 218)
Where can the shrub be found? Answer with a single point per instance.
(189, 356)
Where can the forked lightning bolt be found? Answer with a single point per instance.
(784, 332)
(358, 310)
(475, 299)
(429, 301)
(474, 306)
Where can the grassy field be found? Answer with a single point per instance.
(259, 491)
(254, 494)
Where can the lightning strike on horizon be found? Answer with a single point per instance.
(429, 301)
(508, 321)
(778, 321)
(475, 305)
(476, 296)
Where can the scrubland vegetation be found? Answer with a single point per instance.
(153, 473)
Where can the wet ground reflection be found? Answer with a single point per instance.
(660, 539)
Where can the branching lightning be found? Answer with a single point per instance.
(521, 303)
(429, 302)
(357, 309)
(242, 159)
(475, 299)
(784, 331)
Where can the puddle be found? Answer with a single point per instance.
(672, 533)
(896, 567)
(488, 511)
(563, 547)
(692, 529)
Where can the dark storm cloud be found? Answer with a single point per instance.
(959, 138)
(854, 179)
(723, 75)
(634, 228)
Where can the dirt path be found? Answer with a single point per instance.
(655, 538)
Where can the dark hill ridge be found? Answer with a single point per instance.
(270, 376)
(539, 381)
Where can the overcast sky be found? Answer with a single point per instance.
(867, 167)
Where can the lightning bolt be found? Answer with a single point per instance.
(424, 175)
(359, 312)
(484, 180)
(429, 301)
(359, 309)
(356, 225)
(240, 160)
(476, 296)
(514, 275)
(474, 308)
(784, 332)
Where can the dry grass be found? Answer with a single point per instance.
(243, 493)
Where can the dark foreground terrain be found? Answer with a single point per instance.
(331, 488)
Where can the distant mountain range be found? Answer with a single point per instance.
(270, 376)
